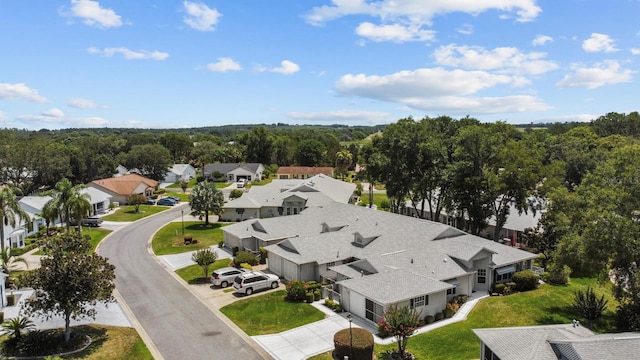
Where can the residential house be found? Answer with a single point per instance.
(100, 200)
(555, 342)
(180, 172)
(122, 187)
(303, 172)
(235, 171)
(287, 197)
(376, 259)
(3, 289)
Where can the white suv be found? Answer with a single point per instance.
(250, 282)
(224, 277)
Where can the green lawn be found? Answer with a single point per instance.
(127, 213)
(177, 185)
(270, 314)
(179, 194)
(166, 241)
(261, 182)
(193, 274)
(546, 305)
(97, 234)
(377, 199)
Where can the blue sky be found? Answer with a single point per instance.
(166, 64)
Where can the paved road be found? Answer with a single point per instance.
(178, 323)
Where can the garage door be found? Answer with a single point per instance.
(275, 264)
(290, 270)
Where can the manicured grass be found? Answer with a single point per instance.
(96, 235)
(222, 185)
(377, 199)
(128, 213)
(109, 342)
(270, 314)
(184, 197)
(177, 185)
(261, 182)
(193, 274)
(167, 242)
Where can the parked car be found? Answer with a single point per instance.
(175, 198)
(250, 282)
(151, 201)
(166, 202)
(92, 221)
(241, 183)
(225, 276)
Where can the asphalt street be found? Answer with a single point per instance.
(177, 322)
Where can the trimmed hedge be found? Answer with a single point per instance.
(361, 339)
(246, 257)
(525, 280)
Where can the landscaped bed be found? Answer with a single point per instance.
(166, 241)
(270, 314)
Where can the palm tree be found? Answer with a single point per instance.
(17, 324)
(61, 198)
(8, 261)
(50, 214)
(80, 207)
(10, 210)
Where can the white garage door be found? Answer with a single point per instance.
(289, 270)
(275, 264)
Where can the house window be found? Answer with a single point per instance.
(330, 264)
(451, 291)
(504, 277)
(288, 211)
(482, 276)
(419, 301)
(373, 311)
(489, 355)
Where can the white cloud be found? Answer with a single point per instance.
(635, 51)
(440, 90)
(286, 67)
(541, 40)
(394, 32)
(570, 118)
(20, 91)
(608, 72)
(419, 11)
(93, 14)
(466, 29)
(63, 122)
(200, 16)
(3, 117)
(53, 112)
(337, 116)
(599, 43)
(224, 64)
(502, 59)
(130, 54)
(80, 103)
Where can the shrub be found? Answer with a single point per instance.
(263, 255)
(332, 305)
(159, 191)
(309, 297)
(11, 300)
(499, 288)
(312, 285)
(317, 295)
(587, 304)
(401, 322)
(525, 280)
(1, 316)
(439, 316)
(454, 306)
(429, 319)
(361, 339)
(296, 290)
(461, 299)
(221, 244)
(382, 329)
(246, 257)
(235, 250)
(557, 275)
(235, 193)
(246, 266)
(448, 313)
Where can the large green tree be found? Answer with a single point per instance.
(63, 196)
(70, 281)
(310, 152)
(179, 145)
(80, 207)
(206, 199)
(153, 160)
(10, 211)
(259, 143)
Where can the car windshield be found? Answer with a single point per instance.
(238, 280)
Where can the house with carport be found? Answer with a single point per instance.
(122, 187)
(374, 259)
(180, 172)
(287, 197)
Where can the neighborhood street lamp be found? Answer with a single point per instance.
(350, 319)
(182, 212)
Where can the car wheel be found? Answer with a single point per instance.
(249, 291)
(224, 284)
(274, 284)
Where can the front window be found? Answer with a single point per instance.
(451, 291)
(330, 264)
(419, 301)
(373, 311)
(482, 276)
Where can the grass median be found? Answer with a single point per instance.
(128, 213)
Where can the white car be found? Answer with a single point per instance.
(224, 277)
(241, 183)
(253, 281)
